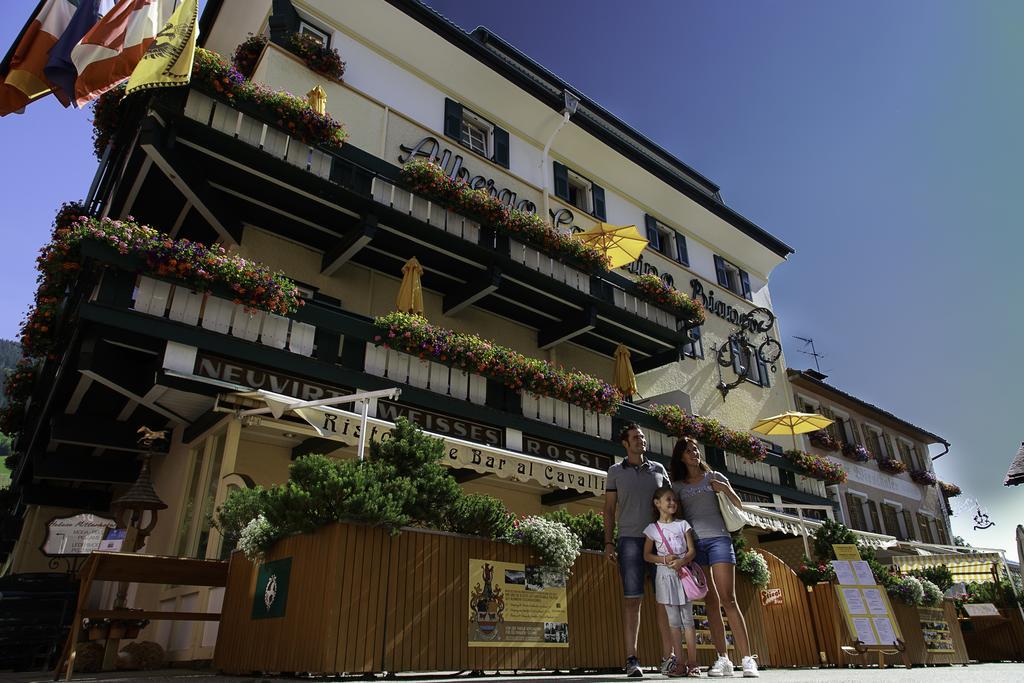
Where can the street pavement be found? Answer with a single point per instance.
(989, 673)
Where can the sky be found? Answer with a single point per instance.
(881, 140)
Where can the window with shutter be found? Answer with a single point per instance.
(876, 526)
(501, 146)
(855, 510)
(832, 429)
(925, 529)
(720, 271)
(682, 254)
(922, 461)
(696, 347)
(452, 119)
(732, 278)
(597, 197)
(892, 525)
(940, 531)
(561, 181)
(908, 523)
(745, 290)
(651, 228)
(890, 452)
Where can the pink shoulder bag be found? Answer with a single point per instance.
(695, 584)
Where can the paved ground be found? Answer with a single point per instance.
(989, 673)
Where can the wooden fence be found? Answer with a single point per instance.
(995, 639)
(360, 600)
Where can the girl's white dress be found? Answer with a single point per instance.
(668, 589)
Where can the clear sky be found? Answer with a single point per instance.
(882, 140)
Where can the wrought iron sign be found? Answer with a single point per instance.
(743, 347)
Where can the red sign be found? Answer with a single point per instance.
(771, 596)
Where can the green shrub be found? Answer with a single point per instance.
(827, 535)
(480, 515)
(940, 576)
(754, 565)
(238, 509)
(588, 526)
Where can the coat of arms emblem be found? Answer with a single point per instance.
(270, 592)
(487, 604)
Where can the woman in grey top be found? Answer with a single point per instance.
(696, 485)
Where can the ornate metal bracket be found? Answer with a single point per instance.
(757, 321)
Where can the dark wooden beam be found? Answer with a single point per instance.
(658, 360)
(350, 244)
(463, 475)
(476, 289)
(572, 326)
(105, 469)
(67, 497)
(203, 424)
(317, 445)
(98, 432)
(563, 496)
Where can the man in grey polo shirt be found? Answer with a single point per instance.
(629, 490)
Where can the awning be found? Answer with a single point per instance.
(965, 567)
(771, 520)
(342, 425)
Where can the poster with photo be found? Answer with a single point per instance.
(516, 605)
(700, 622)
(935, 630)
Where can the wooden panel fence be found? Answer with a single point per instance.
(995, 640)
(360, 600)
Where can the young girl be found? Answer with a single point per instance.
(669, 544)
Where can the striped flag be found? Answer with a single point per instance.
(60, 70)
(111, 50)
(23, 79)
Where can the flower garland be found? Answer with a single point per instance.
(247, 53)
(412, 334)
(192, 263)
(709, 431)
(892, 465)
(856, 452)
(654, 290)
(429, 179)
(293, 114)
(923, 477)
(823, 440)
(949, 490)
(816, 467)
(317, 56)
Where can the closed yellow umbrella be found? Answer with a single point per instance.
(625, 380)
(410, 294)
(622, 243)
(791, 423)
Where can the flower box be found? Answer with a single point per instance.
(823, 440)
(816, 467)
(856, 452)
(891, 465)
(709, 431)
(923, 477)
(655, 291)
(949, 490)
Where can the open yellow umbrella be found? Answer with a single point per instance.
(622, 243)
(791, 423)
(625, 380)
(410, 294)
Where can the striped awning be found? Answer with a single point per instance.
(772, 520)
(965, 567)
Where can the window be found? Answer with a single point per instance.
(733, 278)
(855, 510)
(874, 438)
(876, 525)
(476, 133)
(925, 528)
(806, 405)
(940, 531)
(906, 454)
(579, 191)
(694, 349)
(747, 363)
(752, 497)
(666, 241)
(908, 525)
(319, 35)
(194, 527)
(892, 524)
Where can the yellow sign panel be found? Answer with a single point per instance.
(868, 615)
(846, 551)
(516, 605)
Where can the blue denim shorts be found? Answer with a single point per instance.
(633, 566)
(716, 550)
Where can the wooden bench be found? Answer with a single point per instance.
(131, 568)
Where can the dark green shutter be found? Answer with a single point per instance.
(561, 181)
(452, 119)
(682, 255)
(653, 236)
(745, 281)
(876, 525)
(762, 369)
(723, 276)
(500, 142)
(908, 521)
(597, 194)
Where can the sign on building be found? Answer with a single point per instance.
(75, 535)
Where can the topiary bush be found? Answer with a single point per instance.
(480, 515)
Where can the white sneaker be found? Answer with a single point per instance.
(750, 667)
(721, 668)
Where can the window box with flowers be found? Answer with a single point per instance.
(856, 452)
(949, 490)
(654, 290)
(319, 57)
(709, 431)
(247, 54)
(823, 440)
(891, 465)
(816, 467)
(429, 180)
(412, 334)
(923, 477)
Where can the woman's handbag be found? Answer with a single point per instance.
(695, 584)
(733, 518)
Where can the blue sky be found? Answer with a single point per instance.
(881, 140)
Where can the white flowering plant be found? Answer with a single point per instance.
(555, 544)
(932, 593)
(257, 537)
(754, 566)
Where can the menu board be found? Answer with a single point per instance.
(935, 629)
(868, 614)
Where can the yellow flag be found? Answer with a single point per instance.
(168, 60)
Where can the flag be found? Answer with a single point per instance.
(111, 50)
(24, 80)
(168, 60)
(60, 70)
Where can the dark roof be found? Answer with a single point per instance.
(811, 377)
(533, 78)
(1015, 475)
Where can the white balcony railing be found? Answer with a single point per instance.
(628, 302)
(181, 304)
(815, 487)
(755, 470)
(562, 414)
(436, 377)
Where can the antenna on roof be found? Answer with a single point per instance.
(814, 354)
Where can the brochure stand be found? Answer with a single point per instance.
(870, 623)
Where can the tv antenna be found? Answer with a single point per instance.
(813, 353)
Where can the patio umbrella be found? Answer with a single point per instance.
(410, 294)
(791, 423)
(625, 380)
(622, 243)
